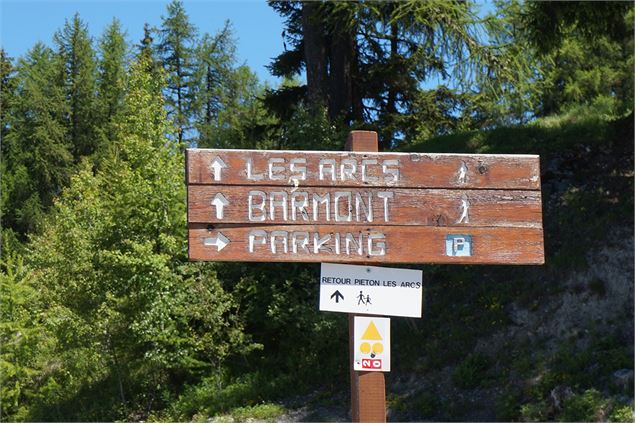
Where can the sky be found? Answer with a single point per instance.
(257, 27)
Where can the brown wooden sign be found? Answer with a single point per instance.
(301, 206)
(362, 169)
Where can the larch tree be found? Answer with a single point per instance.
(111, 77)
(368, 62)
(77, 74)
(175, 49)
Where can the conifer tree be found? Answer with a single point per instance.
(7, 86)
(78, 76)
(111, 76)
(36, 151)
(176, 52)
(367, 61)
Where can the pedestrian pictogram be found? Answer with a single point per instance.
(372, 344)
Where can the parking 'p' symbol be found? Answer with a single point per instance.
(458, 245)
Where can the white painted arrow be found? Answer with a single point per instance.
(219, 241)
(219, 202)
(217, 165)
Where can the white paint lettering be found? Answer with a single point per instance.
(319, 243)
(253, 205)
(348, 216)
(386, 196)
(301, 240)
(348, 167)
(317, 200)
(381, 245)
(257, 237)
(282, 202)
(323, 169)
(365, 165)
(283, 236)
(298, 166)
(392, 171)
(275, 172)
(367, 207)
(350, 240)
(251, 175)
(299, 203)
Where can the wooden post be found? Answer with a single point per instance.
(368, 389)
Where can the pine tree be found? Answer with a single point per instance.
(176, 51)
(7, 87)
(36, 152)
(77, 74)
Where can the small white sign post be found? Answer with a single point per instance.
(372, 344)
(370, 290)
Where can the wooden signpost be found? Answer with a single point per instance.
(365, 207)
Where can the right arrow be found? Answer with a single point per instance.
(338, 295)
(219, 241)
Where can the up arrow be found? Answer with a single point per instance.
(219, 241)
(337, 295)
(217, 165)
(219, 202)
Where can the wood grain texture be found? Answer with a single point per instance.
(401, 244)
(393, 206)
(361, 169)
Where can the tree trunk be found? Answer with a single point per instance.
(314, 54)
(340, 76)
(391, 102)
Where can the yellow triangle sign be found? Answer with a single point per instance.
(371, 332)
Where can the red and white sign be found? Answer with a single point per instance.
(371, 364)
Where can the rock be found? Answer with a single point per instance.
(623, 378)
(558, 396)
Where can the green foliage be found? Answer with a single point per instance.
(228, 111)
(7, 88)
(21, 336)
(242, 397)
(472, 372)
(389, 52)
(125, 308)
(37, 159)
(76, 74)
(176, 50)
(623, 414)
(103, 317)
(589, 406)
(267, 412)
(111, 68)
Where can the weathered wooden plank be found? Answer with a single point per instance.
(377, 206)
(365, 244)
(357, 169)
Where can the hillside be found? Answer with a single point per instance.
(552, 342)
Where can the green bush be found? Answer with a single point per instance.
(589, 406)
(623, 414)
(472, 372)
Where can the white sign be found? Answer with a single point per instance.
(372, 344)
(370, 290)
